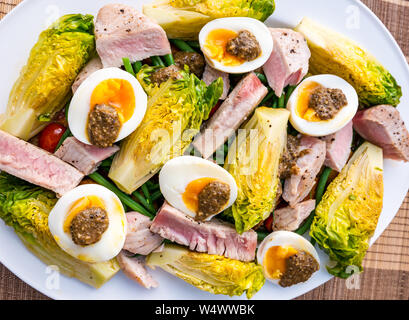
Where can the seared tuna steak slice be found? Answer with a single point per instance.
(139, 239)
(288, 63)
(135, 269)
(299, 185)
(290, 219)
(123, 32)
(241, 102)
(86, 158)
(214, 236)
(339, 147)
(383, 126)
(28, 162)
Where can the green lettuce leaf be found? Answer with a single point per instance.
(348, 213)
(176, 110)
(253, 161)
(211, 273)
(25, 207)
(44, 85)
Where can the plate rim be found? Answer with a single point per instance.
(396, 47)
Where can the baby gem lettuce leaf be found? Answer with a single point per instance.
(211, 273)
(44, 85)
(348, 213)
(25, 207)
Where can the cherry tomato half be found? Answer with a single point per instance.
(268, 223)
(50, 136)
(218, 104)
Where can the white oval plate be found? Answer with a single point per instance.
(18, 33)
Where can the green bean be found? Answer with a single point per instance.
(107, 162)
(157, 61)
(125, 199)
(306, 225)
(194, 44)
(226, 149)
(144, 202)
(288, 94)
(65, 135)
(182, 45)
(261, 235)
(152, 186)
(262, 77)
(128, 66)
(275, 102)
(322, 183)
(67, 107)
(281, 101)
(137, 66)
(147, 195)
(268, 97)
(156, 195)
(169, 59)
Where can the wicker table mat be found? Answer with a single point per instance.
(386, 265)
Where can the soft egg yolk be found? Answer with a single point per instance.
(215, 46)
(191, 195)
(117, 93)
(275, 260)
(302, 105)
(81, 205)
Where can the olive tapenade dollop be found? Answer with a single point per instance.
(103, 125)
(327, 102)
(193, 60)
(245, 46)
(88, 226)
(164, 74)
(212, 199)
(299, 268)
(288, 163)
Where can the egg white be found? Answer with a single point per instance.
(282, 239)
(324, 127)
(112, 240)
(177, 173)
(80, 104)
(257, 28)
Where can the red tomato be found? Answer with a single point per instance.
(218, 104)
(268, 223)
(50, 136)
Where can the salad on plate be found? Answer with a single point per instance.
(192, 138)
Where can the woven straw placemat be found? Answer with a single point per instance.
(386, 264)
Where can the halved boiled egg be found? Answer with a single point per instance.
(198, 187)
(322, 105)
(236, 44)
(89, 223)
(107, 107)
(287, 258)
